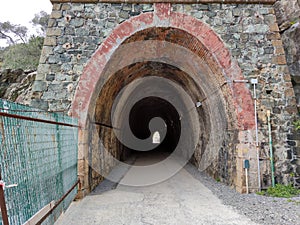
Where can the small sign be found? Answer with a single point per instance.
(246, 164)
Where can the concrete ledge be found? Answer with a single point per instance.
(170, 1)
(36, 217)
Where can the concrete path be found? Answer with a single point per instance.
(180, 200)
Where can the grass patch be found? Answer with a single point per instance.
(218, 179)
(261, 193)
(280, 191)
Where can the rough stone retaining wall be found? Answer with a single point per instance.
(15, 85)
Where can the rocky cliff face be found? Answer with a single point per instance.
(15, 85)
(288, 18)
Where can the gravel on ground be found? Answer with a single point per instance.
(260, 209)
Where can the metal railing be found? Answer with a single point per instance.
(38, 162)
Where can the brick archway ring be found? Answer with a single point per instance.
(163, 17)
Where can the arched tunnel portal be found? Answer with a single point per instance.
(169, 73)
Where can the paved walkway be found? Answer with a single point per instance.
(180, 200)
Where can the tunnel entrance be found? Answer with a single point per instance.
(130, 92)
(141, 91)
(201, 73)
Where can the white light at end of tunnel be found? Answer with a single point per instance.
(198, 104)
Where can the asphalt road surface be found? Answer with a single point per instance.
(181, 200)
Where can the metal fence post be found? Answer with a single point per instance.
(3, 204)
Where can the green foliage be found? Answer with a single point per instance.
(292, 174)
(285, 191)
(294, 20)
(23, 56)
(21, 52)
(281, 191)
(40, 20)
(2, 51)
(218, 179)
(297, 124)
(261, 193)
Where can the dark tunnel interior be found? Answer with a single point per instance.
(151, 107)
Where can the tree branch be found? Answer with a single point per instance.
(5, 36)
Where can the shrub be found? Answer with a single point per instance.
(281, 191)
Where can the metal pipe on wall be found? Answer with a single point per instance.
(271, 148)
(255, 82)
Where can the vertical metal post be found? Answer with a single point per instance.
(254, 82)
(247, 182)
(271, 148)
(3, 205)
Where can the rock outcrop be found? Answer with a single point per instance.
(288, 18)
(15, 85)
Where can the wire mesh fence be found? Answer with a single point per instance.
(39, 155)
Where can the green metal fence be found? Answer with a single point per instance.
(40, 156)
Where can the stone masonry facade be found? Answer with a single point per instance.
(249, 31)
(288, 18)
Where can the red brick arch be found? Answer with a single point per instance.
(164, 17)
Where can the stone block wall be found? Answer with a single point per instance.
(288, 17)
(74, 33)
(249, 31)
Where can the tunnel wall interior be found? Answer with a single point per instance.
(79, 34)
